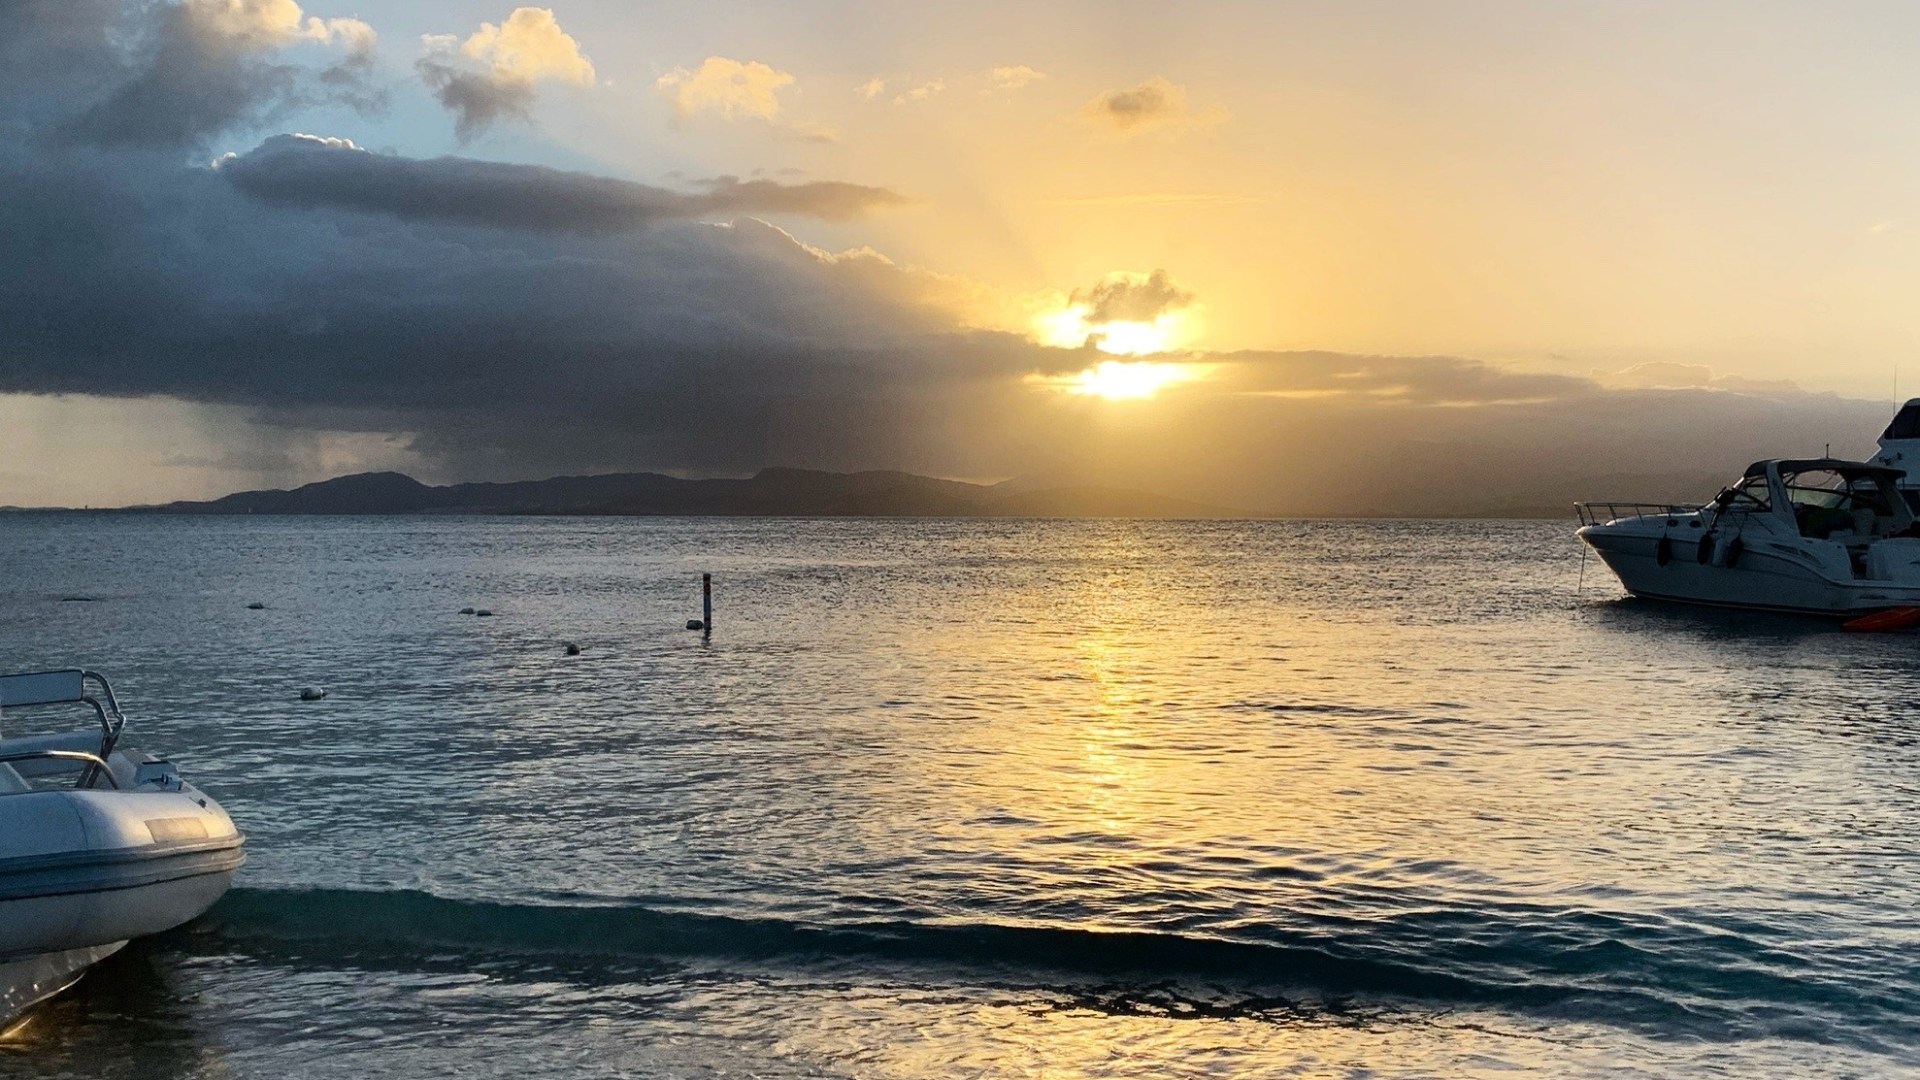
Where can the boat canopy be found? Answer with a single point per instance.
(1852, 470)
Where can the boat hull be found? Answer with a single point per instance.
(84, 872)
(28, 981)
(98, 906)
(1763, 579)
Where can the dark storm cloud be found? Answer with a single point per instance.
(160, 75)
(477, 99)
(189, 83)
(486, 309)
(309, 172)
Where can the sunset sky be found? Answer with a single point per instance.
(1387, 255)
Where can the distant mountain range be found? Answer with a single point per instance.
(772, 492)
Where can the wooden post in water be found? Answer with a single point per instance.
(706, 604)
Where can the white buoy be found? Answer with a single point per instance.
(312, 693)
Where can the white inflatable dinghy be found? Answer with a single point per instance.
(98, 845)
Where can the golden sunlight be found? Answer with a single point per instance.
(1123, 380)
(1068, 328)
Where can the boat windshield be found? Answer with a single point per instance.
(1825, 502)
(1749, 496)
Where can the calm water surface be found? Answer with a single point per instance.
(985, 799)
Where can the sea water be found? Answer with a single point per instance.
(983, 799)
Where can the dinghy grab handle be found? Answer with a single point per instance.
(95, 766)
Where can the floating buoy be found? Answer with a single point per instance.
(572, 649)
(312, 693)
(466, 611)
(256, 606)
(1891, 619)
(482, 612)
(696, 624)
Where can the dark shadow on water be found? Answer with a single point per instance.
(1699, 622)
(131, 1015)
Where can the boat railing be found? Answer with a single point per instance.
(1599, 513)
(73, 686)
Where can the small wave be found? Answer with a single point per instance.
(410, 919)
(1581, 964)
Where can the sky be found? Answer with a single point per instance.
(1296, 258)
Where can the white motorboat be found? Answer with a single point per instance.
(98, 845)
(1821, 535)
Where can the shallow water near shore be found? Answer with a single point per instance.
(984, 799)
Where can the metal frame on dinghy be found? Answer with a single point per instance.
(67, 687)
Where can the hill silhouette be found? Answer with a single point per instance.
(780, 492)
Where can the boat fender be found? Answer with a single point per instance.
(1734, 547)
(1704, 553)
(1663, 552)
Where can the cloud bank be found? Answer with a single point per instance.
(310, 172)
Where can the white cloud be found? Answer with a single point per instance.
(529, 46)
(1667, 375)
(732, 88)
(276, 22)
(491, 75)
(1013, 77)
(921, 92)
(872, 88)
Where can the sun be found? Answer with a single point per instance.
(1123, 380)
(1165, 324)
(1068, 328)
